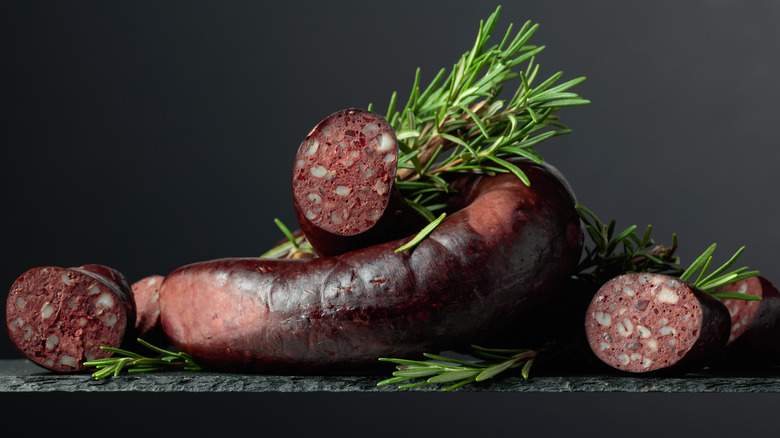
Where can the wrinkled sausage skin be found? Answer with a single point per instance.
(505, 250)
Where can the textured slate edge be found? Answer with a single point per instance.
(23, 376)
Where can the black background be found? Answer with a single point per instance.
(148, 135)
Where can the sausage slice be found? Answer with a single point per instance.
(644, 322)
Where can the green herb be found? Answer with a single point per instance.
(422, 234)
(455, 372)
(717, 278)
(458, 123)
(136, 363)
(611, 255)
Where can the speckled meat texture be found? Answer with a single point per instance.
(755, 325)
(343, 184)
(507, 249)
(146, 296)
(644, 322)
(60, 317)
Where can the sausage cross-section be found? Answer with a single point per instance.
(60, 317)
(644, 322)
(506, 249)
(343, 184)
(755, 325)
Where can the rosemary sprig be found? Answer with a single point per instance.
(611, 255)
(136, 363)
(441, 369)
(709, 282)
(458, 123)
(627, 252)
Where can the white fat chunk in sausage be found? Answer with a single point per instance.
(368, 173)
(342, 190)
(15, 324)
(318, 171)
(381, 187)
(21, 303)
(335, 218)
(666, 331)
(69, 361)
(105, 301)
(625, 327)
(652, 344)
(110, 320)
(94, 290)
(623, 358)
(644, 278)
(47, 310)
(628, 291)
(667, 296)
(604, 346)
(52, 341)
(66, 279)
(385, 143)
(646, 362)
(312, 147)
(603, 318)
(643, 331)
(389, 158)
(370, 129)
(314, 198)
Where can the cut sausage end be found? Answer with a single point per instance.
(344, 172)
(643, 322)
(742, 312)
(146, 295)
(60, 317)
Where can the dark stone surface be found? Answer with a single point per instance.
(23, 376)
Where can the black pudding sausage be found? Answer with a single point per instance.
(755, 325)
(643, 322)
(343, 184)
(60, 317)
(506, 249)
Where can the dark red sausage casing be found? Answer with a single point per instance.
(507, 249)
(146, 296)
(60, 317)
(755, 325)
(343, 184)
(644, 322)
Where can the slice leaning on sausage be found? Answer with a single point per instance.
(343, 184)
(506, 249)
(60, 317)
(644, 322)
(755, 325)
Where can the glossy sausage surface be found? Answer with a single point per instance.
(504, 250)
